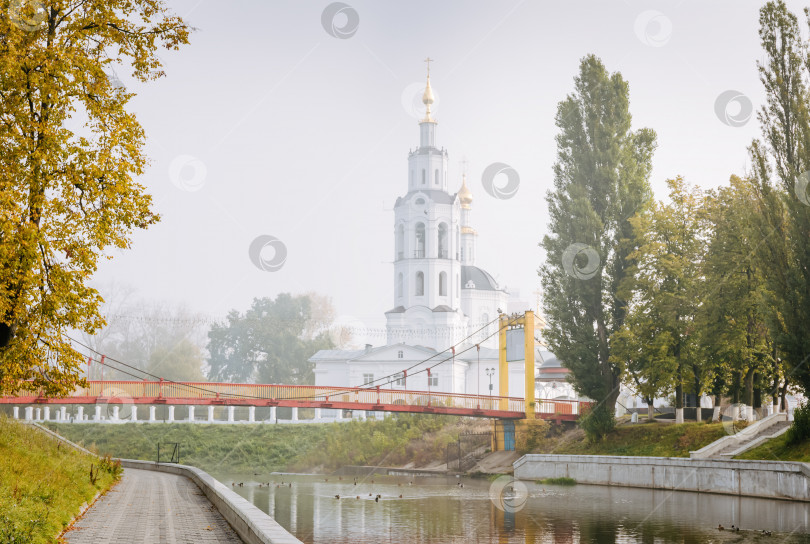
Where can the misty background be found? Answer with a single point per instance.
(268, 125)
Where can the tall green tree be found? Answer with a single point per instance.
(732, 314)
(270, 343)
(666, 287)
(781, 172)
(601, 178)
(67, 195)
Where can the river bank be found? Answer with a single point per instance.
(44, 484)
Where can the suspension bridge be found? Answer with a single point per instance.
(118, 394)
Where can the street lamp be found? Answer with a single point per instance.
(490, 372)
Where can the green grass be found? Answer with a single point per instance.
(263, 448)
(777, 449)
(642, 439)
(43, 483)
(557, 481)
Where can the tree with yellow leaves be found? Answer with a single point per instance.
(67, 194)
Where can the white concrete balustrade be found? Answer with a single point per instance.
(115, 413)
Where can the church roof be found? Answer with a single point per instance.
(439, 197)
(481, 279)
(397, 310)
(443, 308)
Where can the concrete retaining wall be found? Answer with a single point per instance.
(765, 479)
(251, 524)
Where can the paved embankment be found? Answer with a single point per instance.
(764, 479)
(151, 506)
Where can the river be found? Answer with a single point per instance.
(450, 510)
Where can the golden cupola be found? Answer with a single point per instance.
(464, 194)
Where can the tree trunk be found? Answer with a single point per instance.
(748, 397)
(650, 410)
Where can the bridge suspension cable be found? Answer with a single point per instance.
(389, 377)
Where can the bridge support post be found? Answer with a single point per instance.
(294, 414)
(58, 414)
(230, 414)
(29, 413)
(64, 414)
(97, 416)
(171, 414)
(273, 417)
(317, 414)
(191, 414)
(47, 416)
(80, 414)
(252, 414)
(38, 414)
(134, 415)
(151, 414)
(115, 413)
(210, 414)
(16, 412)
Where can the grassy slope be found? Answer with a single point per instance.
(652, 439)
(778, 450)
(43, 484)
(408, 438)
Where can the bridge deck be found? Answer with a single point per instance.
(303, 396)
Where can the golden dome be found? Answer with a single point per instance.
(427, 96)
(464, 194)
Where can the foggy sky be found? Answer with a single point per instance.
(287, 131)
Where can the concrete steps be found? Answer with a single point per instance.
(750, 437)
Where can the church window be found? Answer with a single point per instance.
(400, 354)
(419, 252)
(400, 380)
(458, 287)
(436, 177)
(433, 381)
(443, 249)
(423, 176)
(400, 288)
(368, 379)
(443, 284)
(420, 284)
(462, 253)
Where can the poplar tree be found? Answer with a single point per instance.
(68, 194)
(781, 175)
(601, 179)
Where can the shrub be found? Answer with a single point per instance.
(800, 430)
(530, 437)
(597, 422)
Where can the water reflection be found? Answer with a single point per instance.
(439, 510)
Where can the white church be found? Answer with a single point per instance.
(441, 298)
